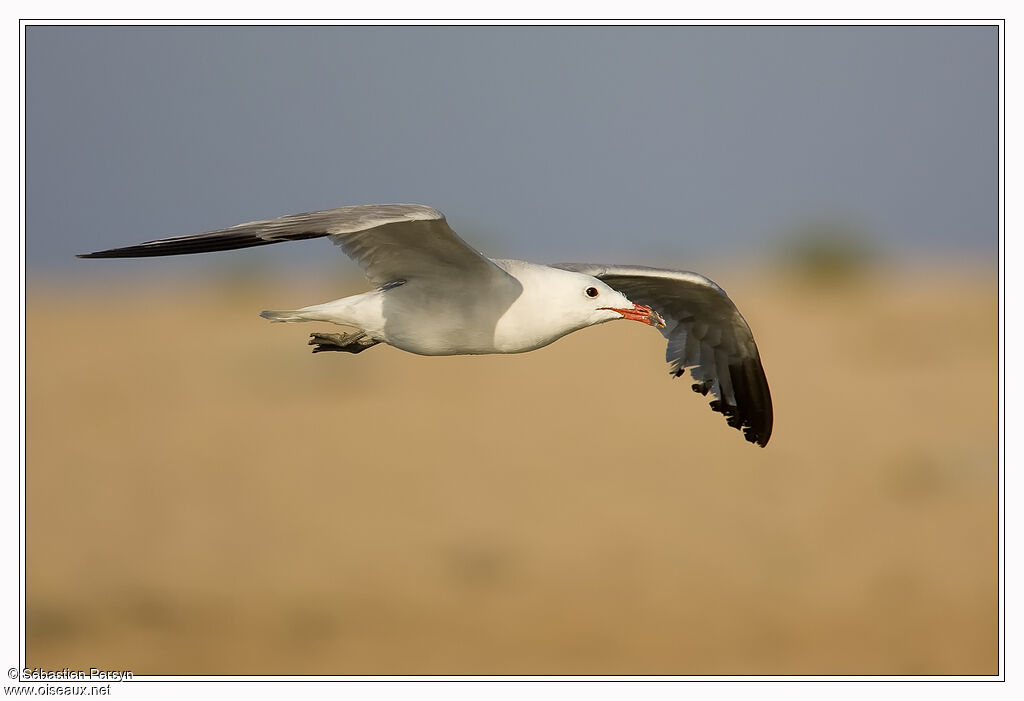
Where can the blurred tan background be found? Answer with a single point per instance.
(204, 496)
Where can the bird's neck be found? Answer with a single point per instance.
(534, 320)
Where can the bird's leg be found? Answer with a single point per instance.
(355, 342)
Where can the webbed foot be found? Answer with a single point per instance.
(355, 342)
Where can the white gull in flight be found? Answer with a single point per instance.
(436, 295)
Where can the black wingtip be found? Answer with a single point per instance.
(139, 251)
(186, 245)
(752, 412)
(129, 252)
(754, 401)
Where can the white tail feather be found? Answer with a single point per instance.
(361, 311)
(286, 315)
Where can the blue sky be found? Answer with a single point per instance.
(631, 144)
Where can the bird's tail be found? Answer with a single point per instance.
(332, 312)
(286, 315)
(340, 311)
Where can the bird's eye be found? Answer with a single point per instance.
(592, 292)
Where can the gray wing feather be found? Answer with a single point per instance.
(389, 241)
(706, 335)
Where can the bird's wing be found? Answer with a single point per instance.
(706, 334)
(390, 242)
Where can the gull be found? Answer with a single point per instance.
(433, 294)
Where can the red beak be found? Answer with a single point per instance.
(641, 313)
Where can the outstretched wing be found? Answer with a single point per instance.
(389, 241)
(706, 334)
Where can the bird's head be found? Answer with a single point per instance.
(591, 301)
(556, 302)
